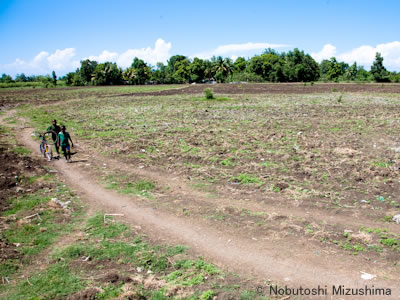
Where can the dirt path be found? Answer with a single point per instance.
(284, 264)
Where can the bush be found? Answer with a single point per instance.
(208, 93)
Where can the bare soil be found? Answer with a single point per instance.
(13, 169)
(253, 232)
(286, 259)
(277, 88)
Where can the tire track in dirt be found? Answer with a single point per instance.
(245, 256)
(179, 188)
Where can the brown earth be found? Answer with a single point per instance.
(11, 97)
(283, 250)
(290, 260)
(277, 88)
(13, 170)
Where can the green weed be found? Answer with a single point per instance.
(247, 179)
(227, 162)
(55, 282)
(21, 150)
(208, 94)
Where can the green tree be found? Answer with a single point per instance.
(334, 70)
(175, 63)
(239, 65)
(159, 74)
(54, 78)
(87, 70)
(324, 68)
(138, 73)
(181, 73)
(222, 68)
(351, 72)
(21, 78)
(6, 78)
(269, 66)
(299, 66)
(378, 71)
(107, 73)
(363, 75)
(46, 81)
(197, 70)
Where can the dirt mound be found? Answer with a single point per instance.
(115, 278)
(7, 250)
(88, 294)
(13, 173)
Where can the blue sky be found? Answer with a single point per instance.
(39, 36)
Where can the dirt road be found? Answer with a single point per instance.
(294, 265)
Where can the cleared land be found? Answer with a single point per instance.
(302, 172)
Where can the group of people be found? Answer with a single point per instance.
(61, 138)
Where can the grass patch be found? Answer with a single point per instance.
(247, 179)
(105, 228)
(124, 186)
(216, 99)
(25, 203)
(21, 150)
(56, 282)
(191, 272)
(381, 164)
(227, 162)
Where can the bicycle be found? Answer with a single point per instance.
(45, 146)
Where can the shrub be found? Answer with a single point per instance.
(208, 93)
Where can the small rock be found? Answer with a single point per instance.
(367, 276)
(396, 219)
(43, 229)
(19, 190)
(282, 185)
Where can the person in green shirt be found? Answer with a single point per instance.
(54, 127)
(64, 143)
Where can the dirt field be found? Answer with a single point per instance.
(295, 184)
(280, 88)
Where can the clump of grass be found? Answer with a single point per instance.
(55, 282)
(390, 242)
(227, 162)
(191, 272)
(22, 150)
(247, 179)
(208, 93)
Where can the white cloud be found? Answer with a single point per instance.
(61, 58)
(63, 61)
(160, 53)
(235, 50)
(104, 56)
(59, 61)
(365, 55)
(326, 53)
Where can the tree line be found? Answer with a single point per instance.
(270, 66)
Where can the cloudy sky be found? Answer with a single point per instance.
(39, 36)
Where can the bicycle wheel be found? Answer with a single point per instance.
(42, 149)
(48, 135)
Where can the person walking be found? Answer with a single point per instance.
(55, 130)
(64, 143)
